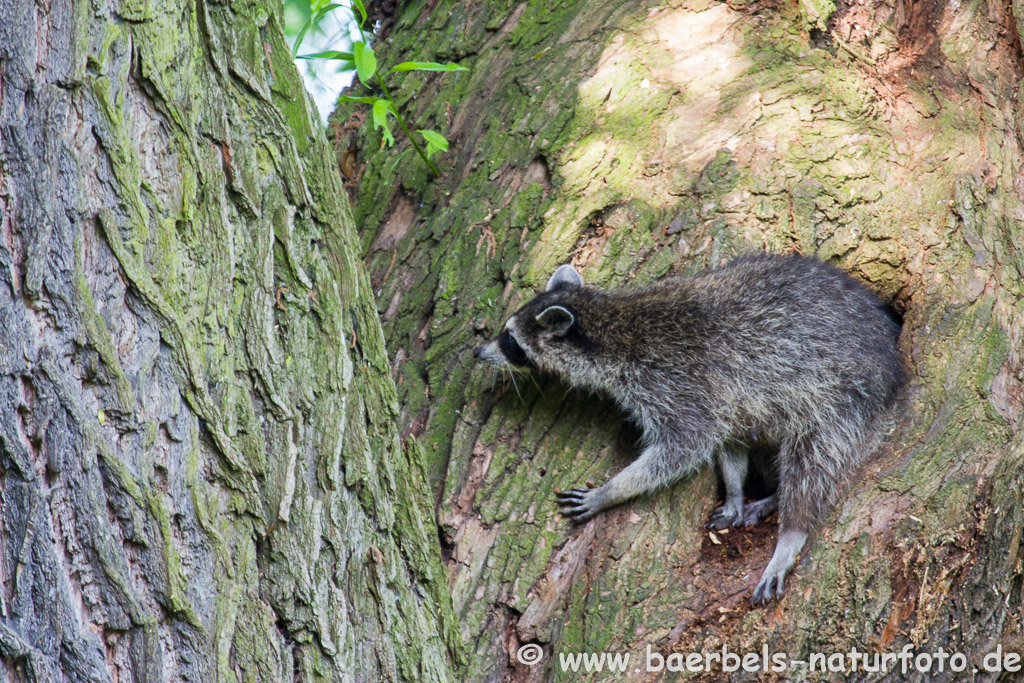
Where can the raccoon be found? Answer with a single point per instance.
(767, 349)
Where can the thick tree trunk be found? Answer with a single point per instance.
(636, 139)
(198, 463)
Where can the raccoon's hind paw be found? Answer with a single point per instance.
(786, 550)
(768, 588)
(579, 505)
(724, 518)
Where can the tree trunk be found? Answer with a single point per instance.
(200, 474)
(638, 139)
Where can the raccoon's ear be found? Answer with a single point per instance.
(558, 319)
(567, 277)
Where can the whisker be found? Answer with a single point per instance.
(533, 378)
(512, 375)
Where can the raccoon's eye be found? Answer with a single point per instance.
(511, 348)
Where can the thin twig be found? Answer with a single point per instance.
(849, 48)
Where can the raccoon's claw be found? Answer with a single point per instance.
(579, 504)
(768, 588)
(723, 518)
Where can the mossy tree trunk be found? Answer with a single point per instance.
(200, 476)
(638, 139)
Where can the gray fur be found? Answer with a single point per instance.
(782, 350)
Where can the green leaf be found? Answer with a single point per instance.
(366, 61)
(434, 138)
(329, 54)
(314, 20)
(364, 100)
(380, 120)
(300, 36)
(426, 66)
(325, 9)
(380, 113)
(435, 142)
(362, 11)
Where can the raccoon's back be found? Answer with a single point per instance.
(794, 296)
(793, 318)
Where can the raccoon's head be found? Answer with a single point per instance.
(537, 336)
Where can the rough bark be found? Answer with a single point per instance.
(638, 139)
(200, 477)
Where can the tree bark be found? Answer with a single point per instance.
(638, 139)
(200, 477)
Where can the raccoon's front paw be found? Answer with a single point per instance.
(725, 517)
(579, 505)
(759, 509)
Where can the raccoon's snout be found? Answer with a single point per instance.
(503, 352)
(488, 353)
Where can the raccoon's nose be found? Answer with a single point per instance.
(477, 350)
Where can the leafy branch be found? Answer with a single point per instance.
(364, 60)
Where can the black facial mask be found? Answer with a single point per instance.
(512, 350)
